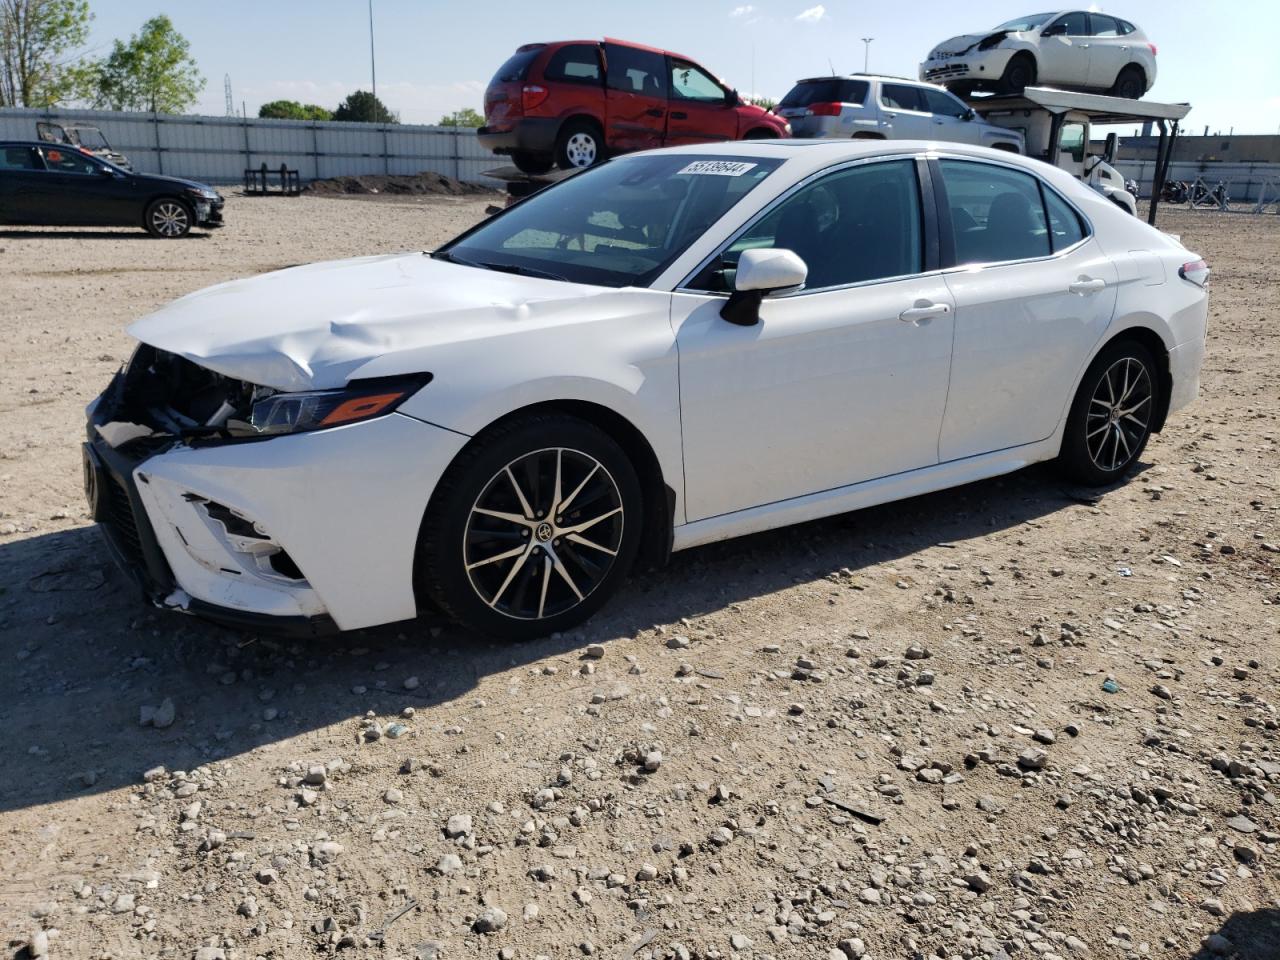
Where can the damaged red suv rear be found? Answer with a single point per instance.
(574, 102)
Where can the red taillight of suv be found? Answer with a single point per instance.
(823, 110)
(1154, 51)
(532, 96)
(1196, 271)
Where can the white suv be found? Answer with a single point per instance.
(866, 107)
(1075, 50)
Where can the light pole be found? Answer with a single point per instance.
(373, 63)
(866, 51)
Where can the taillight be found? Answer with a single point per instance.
(532, 96)
(1154, 51)
(1196, 271)
(824, 110)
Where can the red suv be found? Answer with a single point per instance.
(570, 103)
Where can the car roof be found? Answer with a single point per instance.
(595, 43)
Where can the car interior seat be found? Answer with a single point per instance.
(1011, 232)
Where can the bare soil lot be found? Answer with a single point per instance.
(940, 663)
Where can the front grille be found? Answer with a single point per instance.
(950, 70)
(121, 523)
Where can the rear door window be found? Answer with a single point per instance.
(635, 71)
(1101, 25)
(20, 158)
(574, 63)
(996, 213)
(900, 96)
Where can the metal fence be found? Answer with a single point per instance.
(220, 149)
(1244, 180)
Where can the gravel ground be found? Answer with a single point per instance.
(1002, 721)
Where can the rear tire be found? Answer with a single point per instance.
(1131, 83)
(579, 145)
(532, 163)
(1110, 419)
(506, 553)
(1019, 73)
(168, 218)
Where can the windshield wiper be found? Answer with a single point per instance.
(499, 267)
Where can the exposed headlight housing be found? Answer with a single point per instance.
(283, 413)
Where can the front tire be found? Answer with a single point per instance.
(1019, 73)
(1111, 417)
(532, 528)
(579, 145)
(168, 218)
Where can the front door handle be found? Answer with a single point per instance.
(924, 311)
(1087, 285)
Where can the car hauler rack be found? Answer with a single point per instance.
(1057, 125)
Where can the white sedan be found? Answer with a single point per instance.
(1077, 49)
(672, 348)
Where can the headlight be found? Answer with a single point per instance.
(321, 409)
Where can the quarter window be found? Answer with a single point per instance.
(576, 63)
(857, 224)
(1065, 228)
(635, 71)
(996, 213)
(691, 83)
(899, 96)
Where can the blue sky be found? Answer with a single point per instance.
(437, 55)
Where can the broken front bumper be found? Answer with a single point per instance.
(296, 534)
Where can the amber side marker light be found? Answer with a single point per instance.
(361, 408)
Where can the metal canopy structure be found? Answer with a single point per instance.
(1098, 109)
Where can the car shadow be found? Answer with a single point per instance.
(120, 233)
(83, 654)
(1246, 935)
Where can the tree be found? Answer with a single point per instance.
(363, 107)
(466, 117)
(764, 103)
(36, 41)
(154, 71)
(293, 110)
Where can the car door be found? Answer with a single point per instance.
(635, 97)
(951, 117)
(701, 110)
(904, 113)
(841, 381)
(22, 190)
(1063, 57)
(83, 191)
(1033, 292)
(1108, 51)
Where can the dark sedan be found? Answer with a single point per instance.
(45, 184)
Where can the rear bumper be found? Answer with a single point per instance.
(535, 135)
(1185, 361)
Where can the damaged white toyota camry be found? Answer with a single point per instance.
(672, 348)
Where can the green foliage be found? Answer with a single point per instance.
(764, 103)
(363, 107)
(37, 40)
(154, 71)
(466, 117)
(293, 110)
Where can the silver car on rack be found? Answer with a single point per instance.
(871, 107)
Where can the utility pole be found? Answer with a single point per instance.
(373, 63)
(866, 53)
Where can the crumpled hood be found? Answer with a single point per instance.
(312, 327)
(962, 43)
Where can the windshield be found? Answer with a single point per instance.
(617, 225)
(1022, 24)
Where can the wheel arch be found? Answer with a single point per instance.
(659, 496)
(761, 133)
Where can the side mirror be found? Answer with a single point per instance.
(106, 172)
(1111, 149)
(761, 272)
(1055, 30)
(971, 114)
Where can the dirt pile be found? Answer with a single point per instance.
(417, 184)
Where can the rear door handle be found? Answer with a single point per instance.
(655, 112)
(925, 311)
(1085, 285)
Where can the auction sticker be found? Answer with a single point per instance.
(717, 168)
